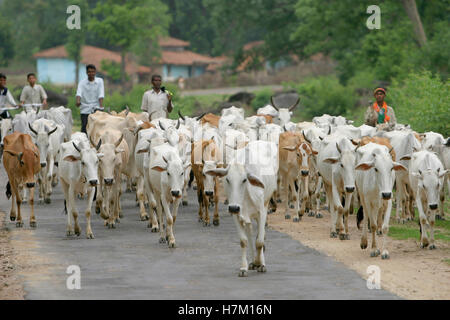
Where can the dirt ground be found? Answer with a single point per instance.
(10, 284)
(411, 272)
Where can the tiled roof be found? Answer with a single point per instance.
(93, 55)
(173, 42)
(184, 58)
(253, 44)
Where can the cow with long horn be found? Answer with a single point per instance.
(284, 114)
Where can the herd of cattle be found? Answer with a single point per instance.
(259, 162)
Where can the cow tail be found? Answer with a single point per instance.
(359, 217)
(191, 178)
(95, 194)
(8, 191)
(65, 207)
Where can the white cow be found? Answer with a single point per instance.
(427, 174)
(78, 164)
(249, 189)
(336, 164)
(59, 115)
(374, 181)
(48, 136)
(284, 114)
(166, 176)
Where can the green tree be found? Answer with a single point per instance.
(6, 39)
(77, 37)
(124, 23)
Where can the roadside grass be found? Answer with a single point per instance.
(447, 261)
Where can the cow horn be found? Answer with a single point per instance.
(92, 142)
(99, 144)
(338, 149)
(181, 116)
(161, 126)
(150, 116)
(76, 147)
(127, 111)
(392, 149)
(273, 103)
(201, 116)
(178, 124)
(20, 155)
(53, 131)
(119, 141)
(31, 128)
(304, 136)
(37, 110)
(329, 130)
(285, 129)
(295, 105)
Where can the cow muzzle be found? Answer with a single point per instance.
(305, 173)
(234, 209)
(109, 182)
(43, 165)
(30, 184)
(433, 206)
(349, 189)
(386, 195)
(209, 193)
(93, 183)
(175, 193)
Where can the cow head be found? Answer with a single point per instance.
(236, 183)
(110, 161)
(380, 161)
(42, 141)
(344, 163)
(284, 114)
(304, 154)
(26, 165)
(173, 170)
(89, 161)
(6, 129)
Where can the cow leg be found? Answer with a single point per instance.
(335, 201)
(421, 204)
(169, 221)
(176, 205)
(49, 177)
(13, 213)
(440, 216)
(410, 203)
(99, 199)
(261, 223)
(348, 201)
(401, 201)
(385, 230)
(373, 215)
(317, 197)
(364, 223)
(162, 238)
(89, 233)
(431, 218)
(216, 201)
(41, 181)
(244, 242)
(153, 223)
(73, 209)
(333, 233)
(206, 220)
(140, 194)
(200, 200)
(248, 227)
(286, 196)
(65, 187)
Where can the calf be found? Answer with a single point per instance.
(249, 189)
(21, 162)
(427, 174)
(374, 181)
(78, 168)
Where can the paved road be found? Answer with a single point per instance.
(229, 90)
(129, 263)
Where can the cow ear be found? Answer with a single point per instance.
(314, 152)
(159, 168)
(407, 157)
(364, 166)
(217, 172)
(331, 160)
(290, 148)
(11, 153)
(398, 167)
(100, 155)
(254, 181)
(143, 150)
(71, 158)
(442, 174)
(417, 174)
(120, 150)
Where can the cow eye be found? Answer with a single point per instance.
(168, 173)
(182, 173)
(342, 165)
(376, 170)
(228, 181)
(245, 180)
(82, 163)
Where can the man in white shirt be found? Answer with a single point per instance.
(90, 95)
(6, 97)
(33, 93)
(158, 101)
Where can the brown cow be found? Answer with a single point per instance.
(378, 140)
(212, 119)
(21, 160)
(295, 162)
(205, 157)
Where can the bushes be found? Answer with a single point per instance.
(422, 101)
(262, 98)
(324, 95)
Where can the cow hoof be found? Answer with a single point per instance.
(291, 206)
(97, 210)
(385, 256)
(243, 273)
(379, 233)
(26, 201)
(252, 266)
(225, 202)
(278, 200)
(117, 220)
(54, 184)
(184, 203)
(111, 225)
(69, 233)
(40, 201)
(287, 217)
(162, 240)
(12, 218)
(333, 234)
(194, 187)
(319, 216)
(19, 224)
(439, 217)
(216, 222)
(90, 236)
(262, 269)
(171, 244)
(375, 253)
(296, 219)
(363, 245)
(48, 201)
(77, 233)
(120, 215)
(347, 236)
(432, 247)
(155, 230)
(206, 224)
(79, 197)
(311, 214)
(144, 218)
(33, 224)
